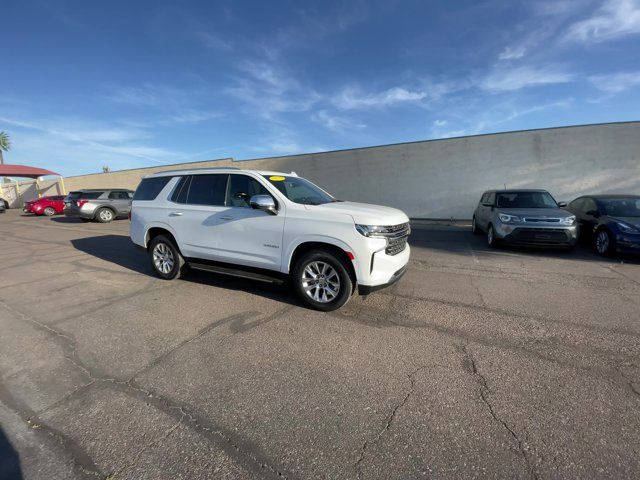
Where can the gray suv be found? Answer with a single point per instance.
(102, 205)
(524, 217)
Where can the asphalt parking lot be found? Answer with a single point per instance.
(478, 363)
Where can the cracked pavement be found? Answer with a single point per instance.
(478, 363)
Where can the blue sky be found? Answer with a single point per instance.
(138, 83)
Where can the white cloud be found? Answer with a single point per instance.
(505, 80)
(61, 138)
(268, 91)
(617, 82)
(512, 52)
(615, 19)
(214, 42)
(353, 98)
(336, 123)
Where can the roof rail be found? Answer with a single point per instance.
(194, 169)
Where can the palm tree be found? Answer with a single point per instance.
(5, 145)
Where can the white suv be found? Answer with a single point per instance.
(268, 226)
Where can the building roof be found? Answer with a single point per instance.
(24, 171)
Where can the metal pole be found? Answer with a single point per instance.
(63, 192)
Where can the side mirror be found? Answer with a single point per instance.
(264, 203)
(562, 204)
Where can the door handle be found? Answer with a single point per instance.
(226, 218)
(175, 214)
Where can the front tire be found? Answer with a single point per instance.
(104, 215)
(492, 241)
(166, 260)
(474, 227)
(603, 243)
(322, 280)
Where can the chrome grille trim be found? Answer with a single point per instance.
(396, 236)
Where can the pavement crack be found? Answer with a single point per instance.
(389, 421)
(629, 381)
(484, 396)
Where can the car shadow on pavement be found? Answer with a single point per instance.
(9, 459)
(116, 249)
(460, 240)
(119, 249)
(66, 220)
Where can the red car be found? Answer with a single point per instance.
(45, 206)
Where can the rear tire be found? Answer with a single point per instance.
(166, 259)
(49, 211)
(104, 215)
(322, 280)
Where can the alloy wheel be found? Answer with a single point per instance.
(490, 238)
(106, 215)
(320, 281)
(49, 211)
(602, 242)
(163, 258)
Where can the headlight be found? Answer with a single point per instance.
(504, 218)
(371, 230)
(568, 220)
(626, 228)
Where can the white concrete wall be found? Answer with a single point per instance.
(445, 178)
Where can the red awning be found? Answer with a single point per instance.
(24, 171)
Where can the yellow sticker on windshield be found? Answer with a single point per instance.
(276, 178)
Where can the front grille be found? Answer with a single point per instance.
(541, 220)
(540, 235)
(397, 238)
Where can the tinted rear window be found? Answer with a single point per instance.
(149, 188)
(74, 195)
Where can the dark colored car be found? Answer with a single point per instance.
(48, 206)
(3, 205)
(610, 222)
(101, 205)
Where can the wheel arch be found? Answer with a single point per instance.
(157, 230)
(339, 249)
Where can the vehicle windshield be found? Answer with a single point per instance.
(299, 190)
(525, 200)
(621, 207)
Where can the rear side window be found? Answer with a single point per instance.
(119, 195)
(149, 188)
(181, 190)
(207, 189)
(74, 195)
(90, 195)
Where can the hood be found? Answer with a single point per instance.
(635, 221)
(536, 212)
(365, 213)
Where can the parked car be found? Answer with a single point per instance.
(610, 222)
(3, 205)
(48, 206)
(271, 227)
(524, 217)
(102, 205)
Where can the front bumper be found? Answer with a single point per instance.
(628, 243)
(544, 236)
(367, 289)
